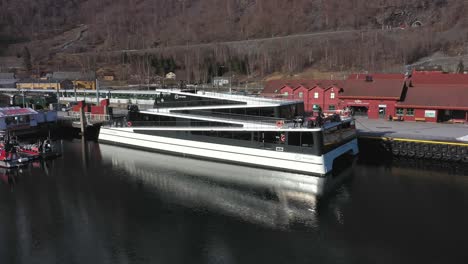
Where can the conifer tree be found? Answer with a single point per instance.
(27, 59)
(460, 67)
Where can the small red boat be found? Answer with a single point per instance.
(14, 154)
(9, 158)
(31, 151)
(38, 150)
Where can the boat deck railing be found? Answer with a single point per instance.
(190, 124)
(211, 125)
(231, 116)
(201, 118)
(223, 118)
(250, 99)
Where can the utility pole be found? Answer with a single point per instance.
(74, 89)
(148, 73)
(82, 105)
(97, 91)
(57, 85)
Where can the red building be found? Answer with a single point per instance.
(434, 103)
(430, 96)
(435, 96)
(375, 98)
(302, 93)
(316, 94)
(330, 98)
(287, 91)
(316, 98)
(438, 77)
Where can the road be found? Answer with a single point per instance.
(438, 60)
(248, 41)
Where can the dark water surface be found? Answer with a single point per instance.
(106, 204)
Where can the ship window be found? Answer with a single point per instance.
(270, 137)
(9, 120)
(307, 139)
(300, 139)
(242, 135)
(198, 133)
(225, 134)
(294, 138)
(252, 111)
(270, 112)
(205, 133)
(257, 136)
(24, 119)
(287, 111)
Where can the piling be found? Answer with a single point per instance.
(82, 106)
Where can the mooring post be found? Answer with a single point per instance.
(82, 105)
(105, 105)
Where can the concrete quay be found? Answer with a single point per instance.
(456, 133)
(448, 142)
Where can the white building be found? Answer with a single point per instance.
(221, 81)
(171, 76)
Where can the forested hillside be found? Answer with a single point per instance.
(376, 35)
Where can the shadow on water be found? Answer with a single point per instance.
(9, 176)
(12, 177)
(374, 154)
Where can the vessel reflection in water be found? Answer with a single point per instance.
(271, 198)
(9, 176)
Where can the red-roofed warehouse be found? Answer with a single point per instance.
(431, 97)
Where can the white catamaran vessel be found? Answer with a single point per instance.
(254, 131)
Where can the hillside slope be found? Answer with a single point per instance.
(116, 25)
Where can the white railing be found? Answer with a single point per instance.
(256, 100)
(90, 117)
(249, 99)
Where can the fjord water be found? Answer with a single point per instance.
(108, 204)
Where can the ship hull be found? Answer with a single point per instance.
(271, 159)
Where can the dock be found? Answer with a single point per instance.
(90, 126)
(437, 141)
